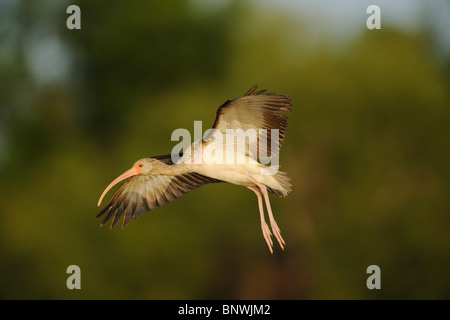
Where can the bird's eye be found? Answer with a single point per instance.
(140, 165)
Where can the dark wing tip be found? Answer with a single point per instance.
(253, 91)
(167, 158)
(128, 204)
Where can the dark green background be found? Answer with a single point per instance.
(367, 149)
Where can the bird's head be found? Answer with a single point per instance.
(143, 166)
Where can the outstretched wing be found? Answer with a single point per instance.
(260, 112)
(148, 192)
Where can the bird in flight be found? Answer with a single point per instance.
(153, 182)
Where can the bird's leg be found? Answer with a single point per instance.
(273, 223)
(265, 228)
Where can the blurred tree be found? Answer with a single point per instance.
(134, 48)
(367, 149)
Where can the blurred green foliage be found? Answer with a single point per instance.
(367, 150)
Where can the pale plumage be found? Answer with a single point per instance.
(153, 182)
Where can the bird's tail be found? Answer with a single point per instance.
(283, 185)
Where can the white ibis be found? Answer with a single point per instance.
(153, 182)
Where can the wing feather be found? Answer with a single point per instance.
(146, 192)
(258, 111)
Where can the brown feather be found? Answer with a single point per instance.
(256, 110)
(146, 192)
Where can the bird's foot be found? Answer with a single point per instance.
(277, 233)
(267, 235)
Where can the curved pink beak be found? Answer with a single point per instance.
(127, 174)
